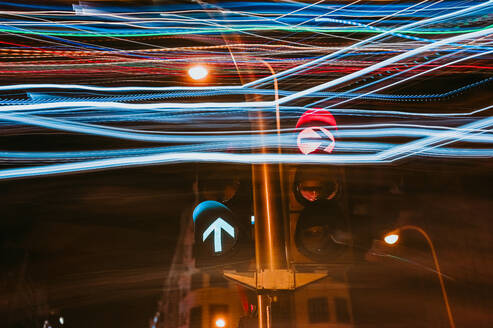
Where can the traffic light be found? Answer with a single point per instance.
(319, 223)
(321, 232)
(222, 220)
(316, 135)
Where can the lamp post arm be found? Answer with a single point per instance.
(437, 267)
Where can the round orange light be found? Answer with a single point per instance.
(220, 323)
(198, 72)
(391, 238)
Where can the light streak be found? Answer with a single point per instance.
(386, 62)
(405, 79)
(385, 156)
(136, 77)
(373, 39)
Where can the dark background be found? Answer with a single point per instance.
(92, 247)
(95, 247)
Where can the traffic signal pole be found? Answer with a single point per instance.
(268, 196)
(273, 271)
(270, 248)
(271, 228)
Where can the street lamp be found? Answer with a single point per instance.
(198, 72)
(220, 323)
(392, 237)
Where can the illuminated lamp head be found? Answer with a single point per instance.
(391, 238)
(198, 72)
(220, 323)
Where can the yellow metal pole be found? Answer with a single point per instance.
(268, 197)
(270, 249)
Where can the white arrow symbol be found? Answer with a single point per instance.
(310, 133)
(217, 226)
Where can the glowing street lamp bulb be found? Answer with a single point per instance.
(198, 72)
(220, 323)
(391, 239)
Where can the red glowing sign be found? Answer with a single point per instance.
(315, 134)
(307, 143)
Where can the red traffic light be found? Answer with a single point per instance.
(316, 117)
(316, 133)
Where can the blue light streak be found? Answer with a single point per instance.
(90, 109)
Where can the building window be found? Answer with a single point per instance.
(318, 310)
(196, 281)
(342, 312)
(218, 281)
(196, 317)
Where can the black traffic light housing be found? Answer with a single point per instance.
(224, 216)
(319, 223)
(322, 233)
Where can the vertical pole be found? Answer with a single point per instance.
(270, 246)
(285, 211)
(262, 312)
(269, 228)
(437, 267)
